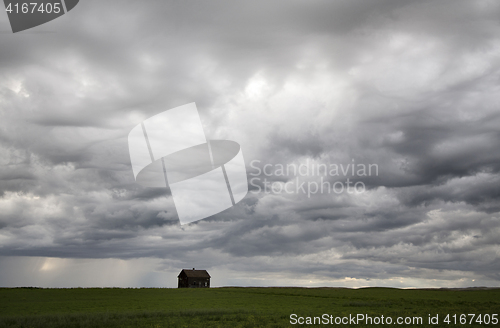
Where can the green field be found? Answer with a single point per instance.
(237, 307)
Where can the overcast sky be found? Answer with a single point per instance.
(411, 86)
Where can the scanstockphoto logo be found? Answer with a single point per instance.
(24, 15)
(310, 177)
(171, 150)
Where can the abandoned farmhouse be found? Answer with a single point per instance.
(193, 279)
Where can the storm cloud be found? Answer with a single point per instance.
(411, 87)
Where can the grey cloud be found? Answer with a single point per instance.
(409, 86)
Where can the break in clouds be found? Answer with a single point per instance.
(409, 86)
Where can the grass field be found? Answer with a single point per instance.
(236, 307)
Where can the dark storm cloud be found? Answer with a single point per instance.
(410, 86)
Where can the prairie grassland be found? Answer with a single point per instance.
(234, 306)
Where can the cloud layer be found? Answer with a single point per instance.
(409, 86)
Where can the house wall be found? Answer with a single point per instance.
(185, 282)
(198, 283)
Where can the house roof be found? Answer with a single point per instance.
(195, 273)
